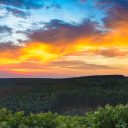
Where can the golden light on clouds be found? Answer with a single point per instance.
(109, 49)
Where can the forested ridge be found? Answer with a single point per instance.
(65, 96)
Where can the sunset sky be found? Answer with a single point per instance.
(63, 38)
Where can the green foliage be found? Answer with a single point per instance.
(107, 117)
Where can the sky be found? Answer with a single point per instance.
(63, 38)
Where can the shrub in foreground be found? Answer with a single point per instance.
(107, 117)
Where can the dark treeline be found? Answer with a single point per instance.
(66, 96)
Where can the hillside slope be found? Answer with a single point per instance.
(66, 96)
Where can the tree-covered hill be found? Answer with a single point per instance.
(66, 96)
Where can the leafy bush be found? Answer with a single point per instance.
(108, 117)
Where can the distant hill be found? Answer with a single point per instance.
(67, 96)
(7, 82)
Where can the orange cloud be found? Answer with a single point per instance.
(114, 43)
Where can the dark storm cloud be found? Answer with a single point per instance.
(57, 30)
